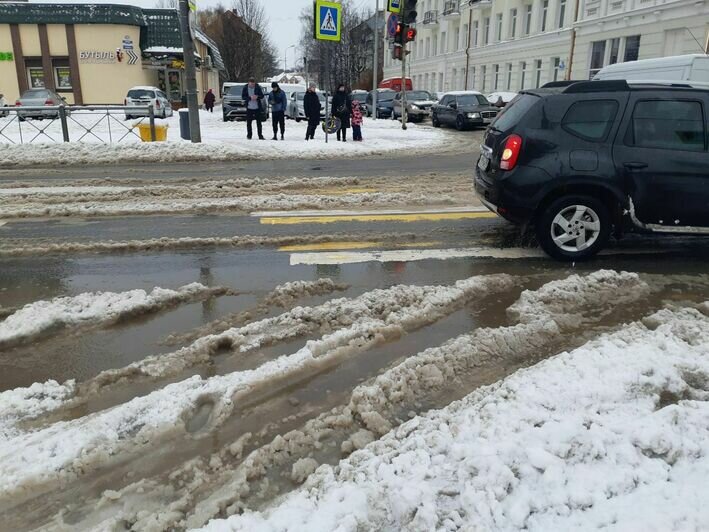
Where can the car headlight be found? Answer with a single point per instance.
(415, 107)
(473, 115)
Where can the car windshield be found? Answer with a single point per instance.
(300, 95)
(235, 90)
(514, 112)
(418, 95)
(472, 99)
(141, 93)
(42, 93)
(386, 96)
(360, 97)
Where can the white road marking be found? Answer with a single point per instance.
(276, 214)
(411, 255)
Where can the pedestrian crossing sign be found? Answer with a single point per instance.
(394, 6)
(328, 20)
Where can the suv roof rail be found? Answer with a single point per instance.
(611, 85)
(558, 84)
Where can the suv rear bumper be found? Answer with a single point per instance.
(499, 201)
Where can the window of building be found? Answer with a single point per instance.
(496, 69)
(486, 30)
(483, 72)
(440, 81)
(614, 49)
(528, 20)
(513, 23)
(434, 46)
(454, 79)
(667, 125)
(545, 13)
(456, 39)
(428, 47)
(35, 77)
(509, 76)
(632, 48)
(590, 120)
(562, 13)
(444, 43)
(472, 78)
(466, 35)
(498, 24)
(476, 30)
(598, 52)
(62, 77)
(538, 73)
(556, 69)
(522, 74)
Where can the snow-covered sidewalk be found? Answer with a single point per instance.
(613, 435)
(222, 141)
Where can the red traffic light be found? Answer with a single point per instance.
(411, 35)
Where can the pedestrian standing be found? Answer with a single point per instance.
(357, 120)
(279, 102)
(342, 109)
(311, 108)
(209, 100)
(253, 96)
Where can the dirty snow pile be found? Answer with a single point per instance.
(612, 435)
(91, 309)
(220, 142)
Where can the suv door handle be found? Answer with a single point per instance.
(635, 166)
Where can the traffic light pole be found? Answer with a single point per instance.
(190, 73)
(375, 75)
(404, 113)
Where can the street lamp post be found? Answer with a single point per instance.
(285, 58)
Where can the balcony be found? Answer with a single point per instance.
(479, 3)
(451, 8)
(430, 18)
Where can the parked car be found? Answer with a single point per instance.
(234, 107)
(385, 103)
(296, 110)
(506, 97)
(39, 98)
(144, 96)
(418, 105)
(3, 104)
(583, 161)
(693, 68)
(463, 109)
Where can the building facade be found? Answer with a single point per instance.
(92, 54)
(509, 45)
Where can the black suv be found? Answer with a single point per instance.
(582, 160)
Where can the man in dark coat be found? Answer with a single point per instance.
(278, 100)
(253, 96)
(209, 100)
(311, 108)
(342, 109)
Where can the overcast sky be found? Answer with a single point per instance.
(284, 24)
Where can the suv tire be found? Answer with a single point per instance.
(574, 227)
(435, 122)
(460, 123)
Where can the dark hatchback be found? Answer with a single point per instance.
(463, 110)
(579, 161)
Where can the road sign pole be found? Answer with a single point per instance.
(190, 72)
(375, 81)
(404, 113)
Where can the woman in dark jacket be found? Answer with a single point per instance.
(311, 108)
(209, 100)
(342, 109)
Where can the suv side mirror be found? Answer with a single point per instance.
(453, 105)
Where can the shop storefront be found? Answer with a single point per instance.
(92, 54)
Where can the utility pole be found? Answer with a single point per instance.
(375, 81)
(190, 72)
(404, 113)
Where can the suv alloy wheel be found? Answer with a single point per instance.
(574, 228)
(434, 121)
(459, 123)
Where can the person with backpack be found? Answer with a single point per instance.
(253, 95)
(278, 101)
(342, 109)
(311, 108)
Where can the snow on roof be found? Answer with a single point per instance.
(163, 50)
(461, 93)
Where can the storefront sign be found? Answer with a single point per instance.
(36, 77)
(63, 77)
(97, 57)
(6, 56)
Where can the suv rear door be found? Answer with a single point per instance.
(661, 150)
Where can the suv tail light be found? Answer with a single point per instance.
(18, 102)
(48, 102)
(125, 101)
(510, 154)
(157, 104)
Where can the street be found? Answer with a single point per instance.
(315, 280)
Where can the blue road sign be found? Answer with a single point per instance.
(328, 20)
(392, 22)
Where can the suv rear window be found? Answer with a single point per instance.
(141, 93)
(667, 125)
(591, 120)
(514, 112)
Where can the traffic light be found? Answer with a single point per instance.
(410, 13)
(398, 51)
(410, 34)
(399, 35)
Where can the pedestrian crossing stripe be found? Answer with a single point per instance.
(328, 20)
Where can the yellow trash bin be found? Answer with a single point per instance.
(160, 132)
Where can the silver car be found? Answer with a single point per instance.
(296, 110)
(145, 96)
(40, 98)
(3, 104)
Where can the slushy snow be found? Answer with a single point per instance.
(613, 435)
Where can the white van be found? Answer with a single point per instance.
(680, 69)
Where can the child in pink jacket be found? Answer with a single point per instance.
(357, 120)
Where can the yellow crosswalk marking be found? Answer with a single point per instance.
(410, 217)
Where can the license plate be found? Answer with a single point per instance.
(483, 163)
